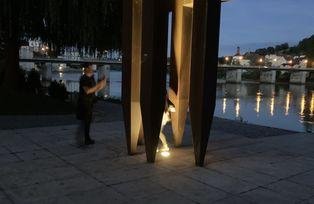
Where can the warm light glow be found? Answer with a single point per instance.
(224, 105)
(306, 61)
(272, 105)
(302, 105)
(227, 59)
(43, 49)
(290, 61)
(165, 154)
(241, 58)
(258, 101)
(312, 105)
(275, 60)
(237, 107)
(260, 60)
(287, 103)
(61, 75)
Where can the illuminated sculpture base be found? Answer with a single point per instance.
(193, 70)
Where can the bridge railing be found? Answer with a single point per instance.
(265, 68)
(233, 73)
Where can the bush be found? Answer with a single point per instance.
(221, 74)
(58, 90)
(282, 76)
(251, 75)
(33, 82)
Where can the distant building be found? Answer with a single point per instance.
(275, 60)
(238, 59)
(26, 52)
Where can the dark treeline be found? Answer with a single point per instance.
(58, 23)
(304, 47)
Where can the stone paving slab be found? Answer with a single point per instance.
(44, 165)
(263, 195)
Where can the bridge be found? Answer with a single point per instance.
(69, 61)
(233, 72)
(267, 74)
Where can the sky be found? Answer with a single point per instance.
(255, 23)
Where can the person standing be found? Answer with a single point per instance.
(86, 99)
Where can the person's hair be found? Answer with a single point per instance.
(87, 64)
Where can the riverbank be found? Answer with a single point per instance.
(28, 104)
(112, 112)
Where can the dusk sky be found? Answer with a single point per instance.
(264, 21)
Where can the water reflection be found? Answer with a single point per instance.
(282, 106)
(237, 107)
(312, 105)
(224, 105)
(287, 103)
(272, 105)
(258, 101)
(302, 105)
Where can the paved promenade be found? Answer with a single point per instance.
(244, 164)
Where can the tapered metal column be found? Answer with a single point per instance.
(153, 73)
(206, 24)
(131, 71)
(180, 66)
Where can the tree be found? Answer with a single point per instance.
(306, 47)
(262, 51)
(270, 50)
(282, 47)
(59, 23)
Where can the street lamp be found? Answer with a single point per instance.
(227, 60)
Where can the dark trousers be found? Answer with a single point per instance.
(84, 113)
(87, 123)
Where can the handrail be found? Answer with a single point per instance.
(115, 62)
(81, 61)
(265, 68)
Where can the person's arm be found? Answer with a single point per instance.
(96, 88)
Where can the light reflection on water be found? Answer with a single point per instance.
(312, 105)
(288, 107)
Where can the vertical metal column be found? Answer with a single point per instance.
(180, 67)
(205, 42)
(153, 73)
(131, 69)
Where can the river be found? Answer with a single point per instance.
(289, 107)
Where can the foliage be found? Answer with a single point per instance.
(23, 103)
(306, 47)
(221, 74)
(33, 82)
(62, 23)
(58, 90)
(282, 47)
(251, 75)
(282, 76)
